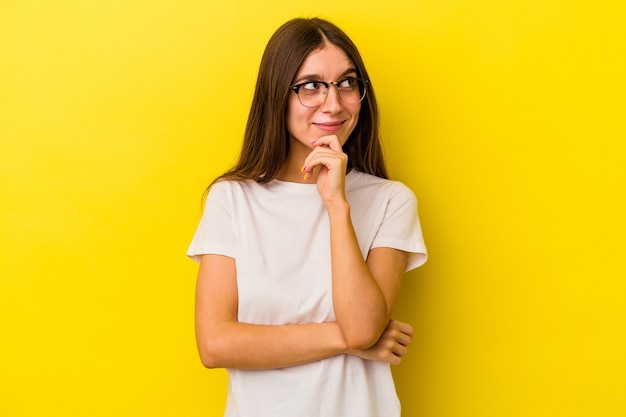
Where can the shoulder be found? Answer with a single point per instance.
(231, 187)
(225, 194)
(360, 182)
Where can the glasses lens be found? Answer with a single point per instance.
(350, 91)
(312, 94)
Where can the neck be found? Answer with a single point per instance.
(291, 170)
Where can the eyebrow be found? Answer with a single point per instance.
(307, 77)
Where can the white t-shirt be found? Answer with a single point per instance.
(279, 236)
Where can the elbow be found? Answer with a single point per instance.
(208, 360)
(363, 334)
(361, 340)
(214, 346)
(210, 355)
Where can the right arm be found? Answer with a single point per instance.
(223, 342)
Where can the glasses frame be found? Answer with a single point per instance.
(327, 84)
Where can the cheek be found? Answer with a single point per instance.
(353, 122)
(297, 118)
(291, 115)
(354, 110)
(355, 115)
(298, 115)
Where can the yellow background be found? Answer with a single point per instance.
(505, 117)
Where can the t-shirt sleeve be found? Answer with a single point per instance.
(215, 234)
(401, 227)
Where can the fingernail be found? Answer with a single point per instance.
(313, 142)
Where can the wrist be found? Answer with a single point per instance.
(341, 342)
(338, 207)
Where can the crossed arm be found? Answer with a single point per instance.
(223, 342)
(364, 293)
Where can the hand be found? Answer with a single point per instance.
(391, 345)
(329, 161)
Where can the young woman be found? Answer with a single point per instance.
(303, 244)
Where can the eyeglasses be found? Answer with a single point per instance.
(313, 93)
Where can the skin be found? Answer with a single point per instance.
(364, 290)
(333, 118)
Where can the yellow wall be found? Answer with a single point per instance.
(505, 117)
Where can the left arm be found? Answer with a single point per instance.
(364, 291)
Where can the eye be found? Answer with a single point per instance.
(347, 83)
(310, 86)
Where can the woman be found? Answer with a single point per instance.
(303, 244)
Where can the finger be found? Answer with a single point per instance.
(310, 162)
(395, 360)
(331, 141)
(404, 339)
(400, 350)
(327, 158)
(315, 153)
(401, 326)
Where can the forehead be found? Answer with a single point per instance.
(329, 60)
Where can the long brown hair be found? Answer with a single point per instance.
(266, 139)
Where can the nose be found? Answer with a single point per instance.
(332, 102)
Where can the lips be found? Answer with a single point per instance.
(329, 126)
